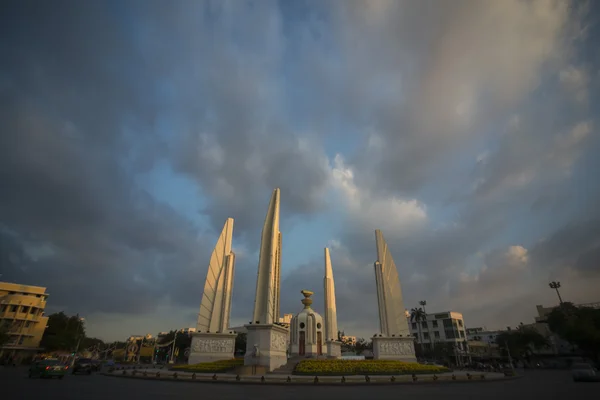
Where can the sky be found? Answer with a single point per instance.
(466, 131)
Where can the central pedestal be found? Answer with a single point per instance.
(207, 347)
(334, 349)
(394, 348)
(266, 345)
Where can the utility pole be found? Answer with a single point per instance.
(512, 367)
(172, 358)
(556, 285)
(79, 323)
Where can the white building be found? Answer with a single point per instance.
(481, 334)
(442, 327)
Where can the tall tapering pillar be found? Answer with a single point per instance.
(394, 342)
(267, 341)
(212, 341)
(334, 346)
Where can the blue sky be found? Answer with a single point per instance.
(466, 131)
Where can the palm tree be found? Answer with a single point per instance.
(423, 303)
(418, 315)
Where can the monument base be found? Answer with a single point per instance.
(208, 347)
(266, 345)
(334, 349)
(394, 348)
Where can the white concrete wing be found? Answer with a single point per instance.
(216, 299)
(392, 318)
(266, 302)
(331, 327)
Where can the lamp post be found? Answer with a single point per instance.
(556, 285)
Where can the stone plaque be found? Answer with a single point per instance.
(278, 341)
(213, 346)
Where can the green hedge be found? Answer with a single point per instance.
(215, 366)
(364, 367)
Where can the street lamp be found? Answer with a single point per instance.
(556, 285)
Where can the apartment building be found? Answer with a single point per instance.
(22, 317)
(446, 327)
(482, 334)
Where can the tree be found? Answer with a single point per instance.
(240, 343)
(362, 345)
(579, 326)
(418, 315)
(521, 341)
(3, 334)
(62, 332)
(182, 342)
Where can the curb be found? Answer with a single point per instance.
(280, 382)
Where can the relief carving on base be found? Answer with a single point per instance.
(394, 348)
(278, 342)
(212, 346)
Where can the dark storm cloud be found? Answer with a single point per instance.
(477, 110)
(73, 84)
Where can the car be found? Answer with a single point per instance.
(583, 372)
(48, 368)
(96, 365)
(83, 366)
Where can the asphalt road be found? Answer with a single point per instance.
(546, 385)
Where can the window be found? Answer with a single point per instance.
(424, 325)
(436, 334)
(21, 339)
(460, 323)
(435, 324)
(32, 311)
(14, 308)
(426, 335)
(3, 308)
(25, 309)
(450, 334)
(416, 335)
(27, 324)
(414, 325)
(462, 334)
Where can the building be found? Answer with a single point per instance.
(286, 319)
(187, 331)
(350, 340)
(481, 334)
(22, 315)
(446, 327)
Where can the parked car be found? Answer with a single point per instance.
(83, 366)
(583, 372)
(48, 368)
(96, 365)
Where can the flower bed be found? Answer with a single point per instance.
(364, 367)
(215, 366)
